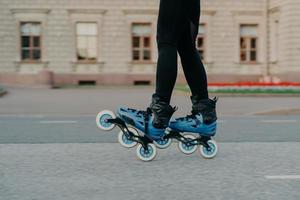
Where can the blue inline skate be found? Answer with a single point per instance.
(145, 128)
(202, 123)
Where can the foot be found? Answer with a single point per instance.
(145, 120)
(206, 108)
(162, 112)
(202, 120)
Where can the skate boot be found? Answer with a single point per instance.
(202, 120)
(152, 122)
(162, 112)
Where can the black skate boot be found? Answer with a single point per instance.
(202, 120)
(162, 112)
(205, 107)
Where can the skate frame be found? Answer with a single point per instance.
(170, 134)
(143, 140)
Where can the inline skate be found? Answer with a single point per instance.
(143, 128)
(201, 126)
(152, 128)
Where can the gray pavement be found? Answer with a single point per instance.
(50, 148)
(82, 129)
(78, 102)
(107, 171)
(68, 115)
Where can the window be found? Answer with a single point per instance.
(248, 43)
(141, 42)
(31, 41)
(200, 42)
(87, 39)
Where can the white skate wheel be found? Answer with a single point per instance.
(144, 155)
(163, 143)
(124, 141)
(187, 148)
(101, 120)
(209, 154)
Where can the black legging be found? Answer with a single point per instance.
(177, 29)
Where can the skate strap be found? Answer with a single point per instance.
(215, 99)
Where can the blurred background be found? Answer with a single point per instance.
(113, 42)
(63, 61)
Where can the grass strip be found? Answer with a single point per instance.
(247, 90)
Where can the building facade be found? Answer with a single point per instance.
(113, 41)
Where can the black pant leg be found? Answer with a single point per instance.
(193, 67)
(169, 30)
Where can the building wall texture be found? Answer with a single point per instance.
(278, 40)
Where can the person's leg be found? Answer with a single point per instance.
(169, 29)
(193, 67)
(171, 15)
(166, 72)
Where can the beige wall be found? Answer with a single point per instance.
(288, 14)
(222, 19)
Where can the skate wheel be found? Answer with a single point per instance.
(186, 147)
(101, 120)
(146, 155)
(125, 141)
(163, 143)
(209, 153)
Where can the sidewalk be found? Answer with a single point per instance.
(52, 149)
(110, 172)
(78, 102)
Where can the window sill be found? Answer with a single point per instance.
(32, 62)
(87, 62)
(249, 63)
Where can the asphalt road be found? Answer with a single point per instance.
(82, 129)
(50, 148)
(107, 171)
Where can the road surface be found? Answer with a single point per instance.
(50, 148)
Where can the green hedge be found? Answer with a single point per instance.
(247, 91)
(256, 91)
